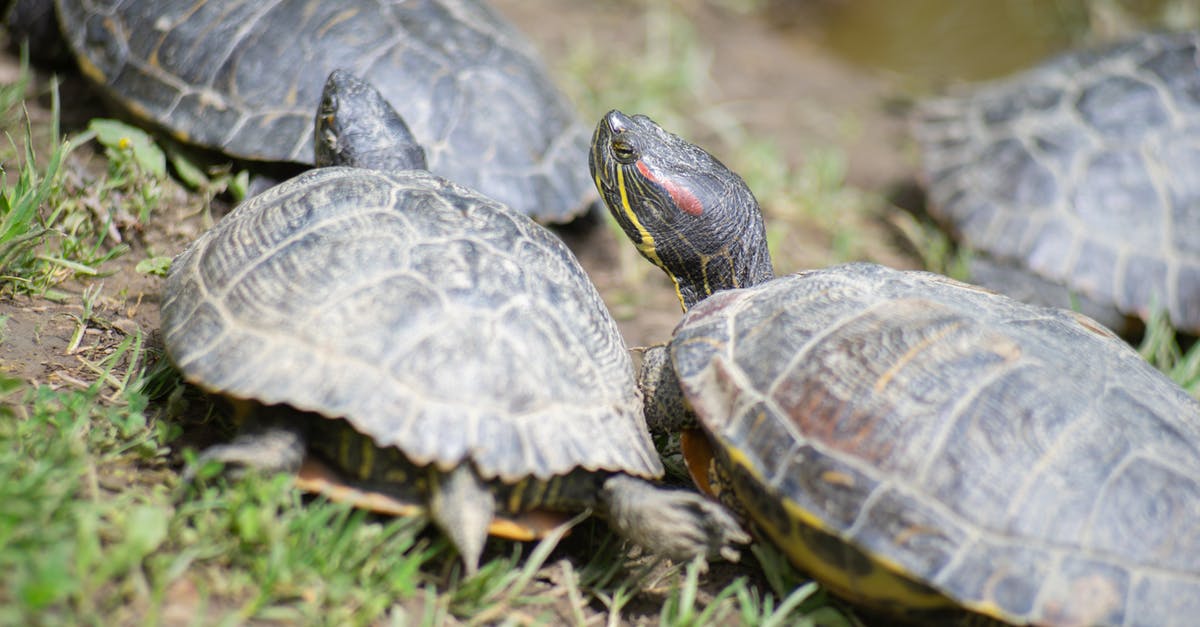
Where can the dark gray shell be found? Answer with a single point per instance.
(428, 316)
(244, 78)
(1084, 171)
(1016, 458)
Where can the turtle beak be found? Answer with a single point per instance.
(617, 122)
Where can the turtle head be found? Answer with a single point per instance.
(684, 210)
(356, 127)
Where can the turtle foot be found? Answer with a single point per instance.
(272, 449)
(677, 524)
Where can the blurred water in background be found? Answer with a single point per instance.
(932, 42)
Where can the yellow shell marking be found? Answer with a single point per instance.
(367, 459)
(317, 478)
(344, 445)
(886, 586)
(514, 496)
(912, 353)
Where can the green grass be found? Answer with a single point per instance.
(1161, 347)
(22, 226)
(95, 529)
(53, 226)
(55, 517)
(12, 95)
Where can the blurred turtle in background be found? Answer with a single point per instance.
(1077, 181)
(244, 77)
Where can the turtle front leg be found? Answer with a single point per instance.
(677, 524)
(263, 445)
(462, 505)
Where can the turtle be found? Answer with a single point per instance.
(414, 346)
(243, 78)
(925, 448)
(1074, 181)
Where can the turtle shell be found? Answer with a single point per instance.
(429, 317)
(1082, 171)
(1016, 460)
(245, 77)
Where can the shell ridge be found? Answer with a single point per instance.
(943, 433)
(871, 307)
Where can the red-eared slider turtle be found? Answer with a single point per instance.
(428, 343)
(1080, 174)
(917, 444)
(244, 77)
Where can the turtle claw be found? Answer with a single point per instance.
(677, 524)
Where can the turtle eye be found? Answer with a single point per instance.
(623, 152)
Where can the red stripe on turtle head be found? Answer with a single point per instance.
(681, 195)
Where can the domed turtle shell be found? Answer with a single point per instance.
(244, 78)
(1082, 172)
(1019, 460)
(430, 317)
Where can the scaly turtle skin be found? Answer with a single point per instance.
(921, 446)
(244, 78)
(1079, 175)
(431, 345)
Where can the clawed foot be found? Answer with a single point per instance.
(269, 450)
(677, 524)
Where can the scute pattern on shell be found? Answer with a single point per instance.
(244, 78)
(1008, 454)
(430, 317)
(1083, 170)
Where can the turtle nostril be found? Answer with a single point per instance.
(617, 121)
